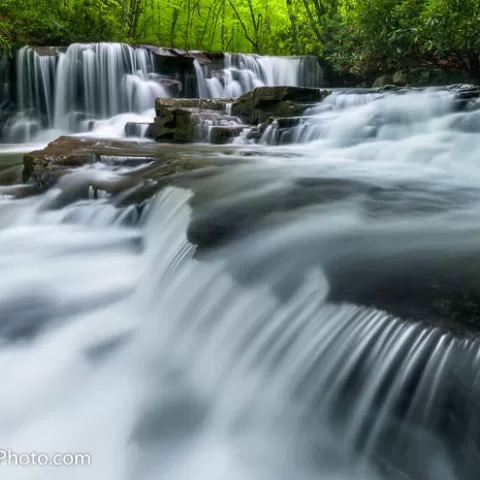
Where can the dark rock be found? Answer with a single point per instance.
(143, 130)
(178, 118)
(261, 103)
(423, 77)
(220, 135)
(175, 125)
(238, 211)
(254, 133)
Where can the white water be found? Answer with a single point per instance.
(119, 343)
(86, 88)
(101, 86)
(241, 73)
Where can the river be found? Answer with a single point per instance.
(290, 317)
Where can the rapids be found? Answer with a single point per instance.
(238, 325)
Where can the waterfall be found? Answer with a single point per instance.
(89, 86)
(347, 119)
(103, 80)
(305, 311)
(241, 73)
(35, 95)
(67, 91)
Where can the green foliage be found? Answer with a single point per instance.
(359, 36)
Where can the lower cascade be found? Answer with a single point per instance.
(300, 301)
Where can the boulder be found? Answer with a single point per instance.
(178, 119)
(258, 105)
(175, 125)
(220, 135)
(383, 81)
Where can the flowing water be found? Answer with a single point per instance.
(82, 89)
(99, 87)
(241, 73)
(239, 325)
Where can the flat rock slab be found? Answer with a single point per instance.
(219, 104)
(43, 168)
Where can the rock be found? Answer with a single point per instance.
(467, 98)
(219, 135)
(48, 51)
(43, 168)
(218, 104)
(175, 125)
(178, 119)
(423, 77)
(173, 85)
(254, 133)
(230, 205)
(257, 105)
(142, 130)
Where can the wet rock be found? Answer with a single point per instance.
(238, 211)
(261, 103)
(58, 157)
(143, 130)
(43, 168)
(173, 85)
(254, 133)
(467, 98)
(165, 104)
(175, 125)
(220, 135)
(48, 51)
(178, 118)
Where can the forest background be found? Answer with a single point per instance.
(356, 36)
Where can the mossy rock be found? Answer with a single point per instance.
(258, 105)
(220, 135)
(177, 125)
(216, 104)
(43, 168)
(423, 77)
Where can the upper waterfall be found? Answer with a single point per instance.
(241, 73)
(76, 89)
(66, 90)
